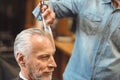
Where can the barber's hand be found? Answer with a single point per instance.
(48, 15)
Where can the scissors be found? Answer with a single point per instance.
(46, 27)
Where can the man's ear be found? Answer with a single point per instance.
(20, 59)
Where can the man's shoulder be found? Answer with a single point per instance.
(17, 78)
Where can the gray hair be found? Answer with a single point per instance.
(22, 42)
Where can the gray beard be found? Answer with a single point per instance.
(44, 78)
(41, 78)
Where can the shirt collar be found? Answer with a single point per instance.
(107, 1)
(21, 76)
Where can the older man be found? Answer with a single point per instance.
(34, 51)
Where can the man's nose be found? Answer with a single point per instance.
(52, 63)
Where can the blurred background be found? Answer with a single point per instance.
(16, 15)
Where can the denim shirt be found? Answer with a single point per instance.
(96, 53)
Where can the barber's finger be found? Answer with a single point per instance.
(43, 7)
(50, 20)
(49, 16)
(46, 13)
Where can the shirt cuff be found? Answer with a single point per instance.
(36, 13)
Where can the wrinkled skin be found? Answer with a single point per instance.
(39, 64)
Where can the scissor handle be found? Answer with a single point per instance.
(43, 3)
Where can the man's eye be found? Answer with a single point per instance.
(44, 57)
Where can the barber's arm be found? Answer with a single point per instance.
(62, 8)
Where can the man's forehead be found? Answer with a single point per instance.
(38, 39)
